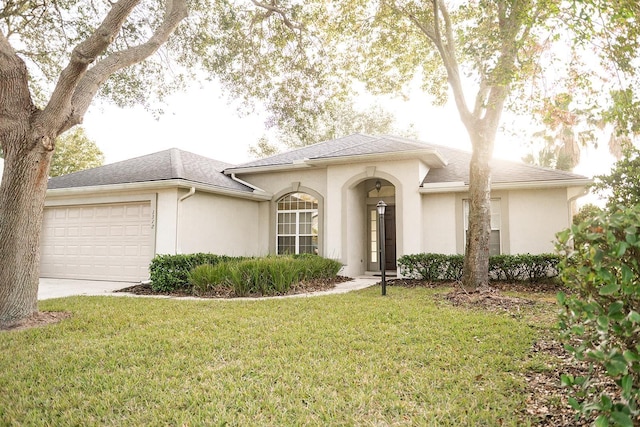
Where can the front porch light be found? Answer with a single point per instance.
(381, 245)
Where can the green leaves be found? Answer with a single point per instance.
(604, 273)
(75, 152)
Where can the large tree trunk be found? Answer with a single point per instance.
(26, 141)
(476, 260)
(22, 195)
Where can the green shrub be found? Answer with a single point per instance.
(439, 267)
(600, 322)
(171, 272)
(272, 275)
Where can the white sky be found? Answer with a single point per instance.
(203, 121)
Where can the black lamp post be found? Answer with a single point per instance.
(381, 206)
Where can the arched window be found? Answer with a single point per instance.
(297, 227)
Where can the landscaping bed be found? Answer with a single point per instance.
(307, 286)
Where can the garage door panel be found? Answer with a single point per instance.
(97, 242)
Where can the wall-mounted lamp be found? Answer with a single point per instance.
(378, 185)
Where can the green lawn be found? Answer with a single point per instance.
(354, 359)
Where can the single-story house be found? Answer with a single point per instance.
(108, 222)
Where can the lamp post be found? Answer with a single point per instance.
(381, 244)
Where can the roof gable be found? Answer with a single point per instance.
(160, 166)
(348, 146)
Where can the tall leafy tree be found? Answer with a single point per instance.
(75, 152)
(57, 56)
(476, 51)
(489, 56)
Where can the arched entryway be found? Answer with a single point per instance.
(381, 190)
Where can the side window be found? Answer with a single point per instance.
(494, 240)
(297, 224)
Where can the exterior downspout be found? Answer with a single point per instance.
(253, 187)
(571, 203)
(191, 192)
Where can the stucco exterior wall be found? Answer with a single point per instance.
(439, 223)
(535, 216)
(219, 224)
(347, 209)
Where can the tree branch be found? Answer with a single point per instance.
(273, 9)
(57, 111)
(448, 54)
(15, 99)
(175, 12)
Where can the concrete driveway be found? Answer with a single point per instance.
(57, 288)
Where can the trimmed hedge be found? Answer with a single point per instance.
(171, 272)
(440, 267)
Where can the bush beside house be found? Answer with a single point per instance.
(600, 320)
(448, 268)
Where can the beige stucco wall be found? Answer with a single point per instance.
(347, 199)
(439, 223)
(529, 220)
(343, 205)
(219, 224)
(535, 216)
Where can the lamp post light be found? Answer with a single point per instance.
(381, 246)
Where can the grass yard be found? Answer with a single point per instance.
(354, 359)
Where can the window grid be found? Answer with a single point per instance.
(297, 224)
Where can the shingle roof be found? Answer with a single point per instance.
(456, 170)
(502, 171)
(160, 166)
(352, 145)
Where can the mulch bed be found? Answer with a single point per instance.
(305, 287)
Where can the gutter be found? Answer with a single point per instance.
(459, 187)
(156, 185)
(191, 192)
(253, 187)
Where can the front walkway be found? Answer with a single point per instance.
(58, 288)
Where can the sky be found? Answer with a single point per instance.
(204, 121)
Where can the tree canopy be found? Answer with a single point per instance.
(621, 187)
(75, 152)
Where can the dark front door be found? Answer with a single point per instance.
(390, 237)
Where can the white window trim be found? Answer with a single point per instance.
(297, 234)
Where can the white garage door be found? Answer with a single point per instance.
(97, 242)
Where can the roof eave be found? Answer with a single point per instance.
(430, 156)
(458, 187)
(266, 168)
(157, 185)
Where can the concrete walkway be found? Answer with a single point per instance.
(58, 288)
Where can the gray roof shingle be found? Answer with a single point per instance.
(457, 169)
(502, 171)
(352, 145)
(160, 166)
(178, 164)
